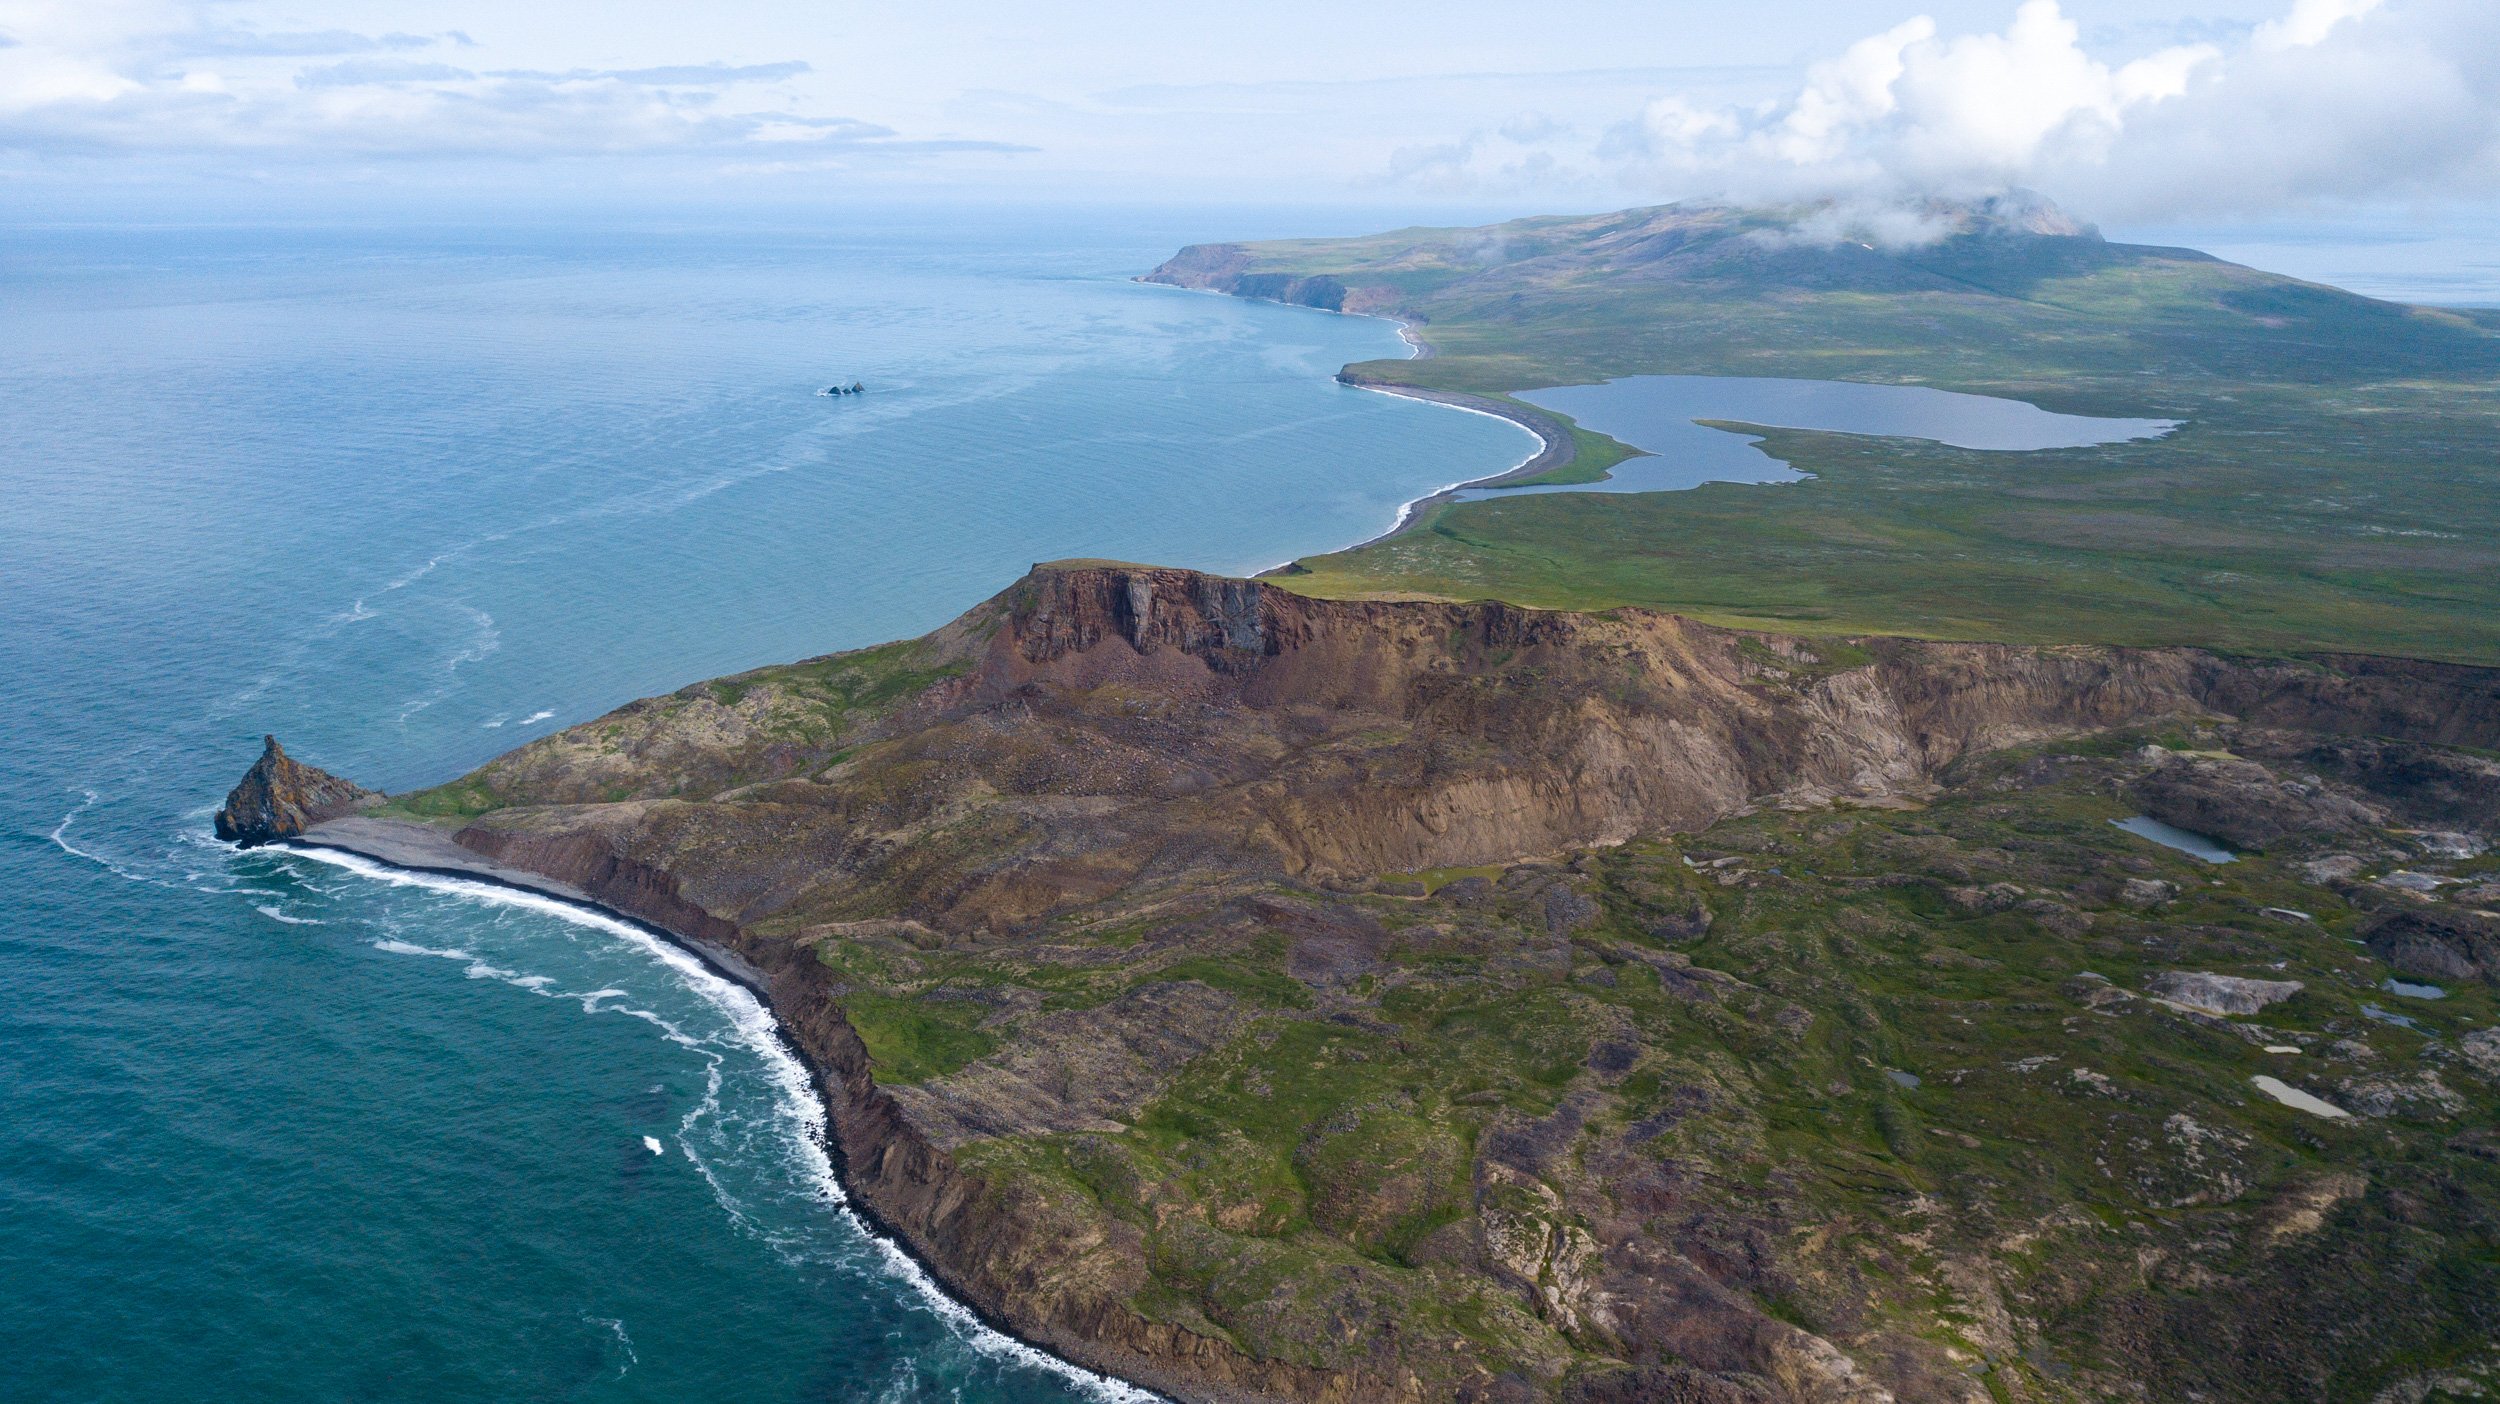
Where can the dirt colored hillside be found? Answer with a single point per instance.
(1266, 997)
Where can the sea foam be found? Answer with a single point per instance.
(802, 1112)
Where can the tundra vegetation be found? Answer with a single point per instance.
(2334, 487)
(1677, 947)
(1271, 997)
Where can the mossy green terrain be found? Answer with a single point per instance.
(699, 741)
(1285, 998)
(2336, 484)
(1901, 1073)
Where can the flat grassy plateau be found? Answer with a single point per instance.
(2336, 486)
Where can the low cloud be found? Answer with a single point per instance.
(684, 75)
(354, 72)
(158, 78)
(358, 72)
(2330, 101)
(323, 43)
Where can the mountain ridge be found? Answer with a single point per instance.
(1824, 245)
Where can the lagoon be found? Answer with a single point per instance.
(1661, 414)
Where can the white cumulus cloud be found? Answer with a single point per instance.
(2332, 100)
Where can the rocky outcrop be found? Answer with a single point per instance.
(1225, 268)
(2436, 944)
(2222, 994)
(1108, 721)
(2429, 785)
(2243, 803)
(280, 797)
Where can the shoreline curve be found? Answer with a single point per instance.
(413, 847)
(1555, 446)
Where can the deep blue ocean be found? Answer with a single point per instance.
(274, 1128)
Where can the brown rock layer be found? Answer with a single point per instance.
(1100, 730)
(280, 797)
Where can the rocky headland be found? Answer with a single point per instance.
(1270, 998)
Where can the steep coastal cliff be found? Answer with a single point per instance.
(1263, 997)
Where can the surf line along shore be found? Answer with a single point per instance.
(418, 849)
(1556, 449)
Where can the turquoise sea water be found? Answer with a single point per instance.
(275, 1128)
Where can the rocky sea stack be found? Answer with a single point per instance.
(279, 797)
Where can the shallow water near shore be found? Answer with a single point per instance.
(1660, 414)
(282, 1129)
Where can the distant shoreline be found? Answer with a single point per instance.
(1555, 448)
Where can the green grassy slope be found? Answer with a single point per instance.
(1871, 1049)
(2337, 485)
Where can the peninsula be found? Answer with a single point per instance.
(1265, 997)
(1968, 927)
(2331, 487)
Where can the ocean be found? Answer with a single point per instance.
(282, 1128)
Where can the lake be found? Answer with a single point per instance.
(1659, 414)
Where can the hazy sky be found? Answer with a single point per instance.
(2129, 109)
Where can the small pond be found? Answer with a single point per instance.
(1657, 413)
(2193, 844)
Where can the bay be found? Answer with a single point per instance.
(281, 1129)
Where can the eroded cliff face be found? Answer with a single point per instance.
(279, 797)
(1080, 864)
(1226, 268)
(1100, 725)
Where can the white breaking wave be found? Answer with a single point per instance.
(412, 577)
(794, 1095)
(397, 947)
(616, 1328)
(117, 867)
(652, 1144)
(60, 836)
(275, 915)
(1408, 510)
(534, 718)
